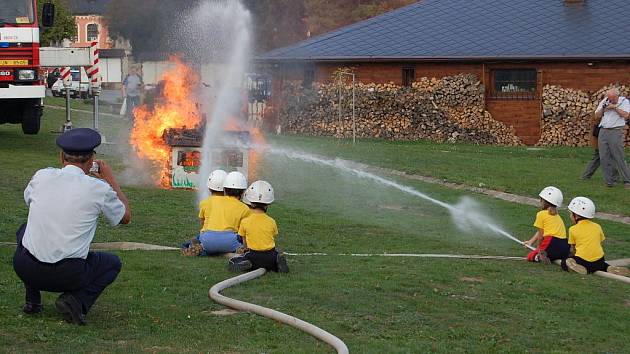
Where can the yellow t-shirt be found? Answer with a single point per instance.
(552, 225)
(587, 237)
(259, 231)
(222, 213)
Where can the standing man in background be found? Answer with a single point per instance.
(131, 90)
(613, 111)
(594, 164)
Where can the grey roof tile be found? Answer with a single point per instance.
(476, 28)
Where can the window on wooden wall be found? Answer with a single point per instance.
(514, 84)
(92, 32)
(309, 77)
(408, 76)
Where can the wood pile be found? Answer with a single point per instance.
(443, 110)
(567, 115)
(463, 90)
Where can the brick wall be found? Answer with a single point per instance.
(103, 33)
(524, 115)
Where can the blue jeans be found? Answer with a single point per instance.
(219, 241)
(132, 103)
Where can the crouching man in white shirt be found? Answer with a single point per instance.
(53, 246)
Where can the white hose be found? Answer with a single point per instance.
(125, 246)
(604, 274)
(620, 262)
(129, 246)
(418, 255)
(214, 294)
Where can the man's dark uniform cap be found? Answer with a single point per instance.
(79, 141)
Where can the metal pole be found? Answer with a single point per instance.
(68, 124)
(354, 122)
(67, 105)
(340, 126)
(96, 113)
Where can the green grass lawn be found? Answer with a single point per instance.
(519, 170)
(81, 104)
(75, 103)
(376, 305)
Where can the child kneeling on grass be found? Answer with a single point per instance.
(585, 238)
(221, 215)
(551, 235)
(258, 232)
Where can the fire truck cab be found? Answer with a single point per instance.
(22, 89)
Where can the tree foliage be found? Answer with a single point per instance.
(277, 23)
(327, 15)
(64, 26)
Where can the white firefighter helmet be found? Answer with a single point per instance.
(215, 180)
(235, 180)
(583, 207)
(553, 195)
(259, 192)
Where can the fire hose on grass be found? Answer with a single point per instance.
(599, 273)
(340, 346)
(215, 294)
(126, 246)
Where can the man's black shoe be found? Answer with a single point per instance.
(31, 308)
(70, 308)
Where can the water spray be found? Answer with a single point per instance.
(232, 23)
(463, 214)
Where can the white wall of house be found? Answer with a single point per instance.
(111, 69)
(153, 70)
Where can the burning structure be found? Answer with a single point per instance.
(230, 152)
(170, 133)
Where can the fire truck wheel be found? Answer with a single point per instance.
(31, 119)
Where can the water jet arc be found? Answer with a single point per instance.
(341, 165)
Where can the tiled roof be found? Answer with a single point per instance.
(477, 29)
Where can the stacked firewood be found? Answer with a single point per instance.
(463, 90)
(444, 110)
(567, 115)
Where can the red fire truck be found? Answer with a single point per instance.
(22, 88)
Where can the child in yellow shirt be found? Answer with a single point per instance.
(220, 215)
(551, 234)
(585, 238)
(258, 232)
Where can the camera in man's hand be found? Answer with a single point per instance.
(606, 103)
(95, 167)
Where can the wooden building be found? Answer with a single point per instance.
(515, 47)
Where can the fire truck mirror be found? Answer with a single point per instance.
(48, 15)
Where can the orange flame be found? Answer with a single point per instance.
(258, 139)
(175, 108)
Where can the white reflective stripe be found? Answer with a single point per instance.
(36, 91)
(19, 34)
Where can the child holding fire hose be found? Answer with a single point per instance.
(258, 232)
(585, 238)
(551, 235)
(221, 215)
